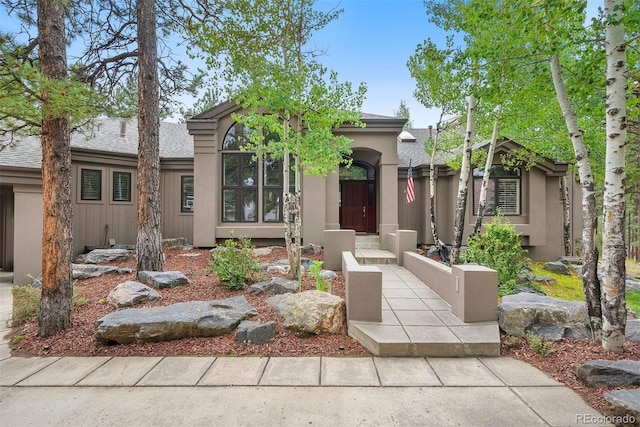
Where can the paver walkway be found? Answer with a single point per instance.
(297, 391)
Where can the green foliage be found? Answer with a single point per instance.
(26, 303)
(540, 345)
(499, 248)
(233, 262)
(565, 287)
(633, 301)
(321, 284)
(403, 113)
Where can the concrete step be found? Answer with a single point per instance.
(367, 256)
(370, 241)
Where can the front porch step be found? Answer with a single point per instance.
(370, 241)
(375, 256)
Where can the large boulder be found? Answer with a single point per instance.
(88, 271)
(130, 293)
(174, 243)
(310, 249)
(103, 256)
(610, 373)
(557, 267)
(632, 331)
(173, 322)
(275, 286)
(315, 312)
(163, 279)
(548, 317)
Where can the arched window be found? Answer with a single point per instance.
(251, 189)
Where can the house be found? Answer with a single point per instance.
(212, 189)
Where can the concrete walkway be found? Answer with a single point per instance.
(297, 391)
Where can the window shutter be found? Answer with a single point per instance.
(509, 196)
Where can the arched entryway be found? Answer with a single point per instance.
(358, 198)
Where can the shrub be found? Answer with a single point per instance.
(321, 283)
(540, 345)
(233, 262)
(499, 248)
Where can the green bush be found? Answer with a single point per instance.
(499, 248)
(539, 344)
(233, 262)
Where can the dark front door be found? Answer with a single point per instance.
(358, 206)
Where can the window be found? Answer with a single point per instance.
(90, 184)
(121, 186)
(503, 191)
(186, 190)
(246, 180)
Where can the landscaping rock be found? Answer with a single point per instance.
(557, 267)
(328, 274)
(163, 279)
(570, 260)
(608, 373)
(305, 262)
(103, 256)
(261, 251)
(632, 284)
(544, 279)
(176, 321)
(522, 313)
(275, 286)
(315, 312)
(130, 293)
(310, 249)
(256, 333)
(176, 243)
(632, 331)
(278, 269)
(87, 271)
(628, 403)
(191, 255)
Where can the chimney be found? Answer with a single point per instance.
(430, 131)
(123, 128)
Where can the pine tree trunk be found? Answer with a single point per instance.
(590, 281)
(566, 215)
(614, 311)
(149, 239)
(57, 249)
(463, 183)
(482, 203)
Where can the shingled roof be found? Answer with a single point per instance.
(106, 135)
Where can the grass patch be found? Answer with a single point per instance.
(26, 303)
(633, 301)
(566, 287)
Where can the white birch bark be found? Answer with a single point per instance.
(590, 281)
(433, 177)
(614, 311)
(482, 203)
(566, 215)
(463, 182)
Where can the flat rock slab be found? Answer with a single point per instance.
(88, 271)
(608, 373)
(275, 286)
(103, 256)
(628, 401)
(256, 333)
(557, 267)
(176, 321)
(163, 279)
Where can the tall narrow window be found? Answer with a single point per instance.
(503, 191)
(121, 186)
(91, 184)
(186, 190)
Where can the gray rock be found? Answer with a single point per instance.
(570, 260)
(557, 267)
(608, 373)
(190, 255)
(305, 262)
(275, 285)
(528, 290)
(87, 271)
(315, 312)
(163, 279)
(175, 243)
(628, 401)
(176, 321)
(261, 251)
(632, 331)
(103, 256)
(130, 293)
(256, 333)
(544, 279)
(328, 274)
(278, 269)
(310, 249)
(522, 313)
(576, 269)
(632, 285)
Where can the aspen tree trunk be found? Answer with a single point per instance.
(463, 183)
(149, 238)
(614, 311)
(57, 251)
(590, 281)
(485, 176)
(433, 177)
(566, 215)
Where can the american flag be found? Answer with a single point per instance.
(410, 194)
